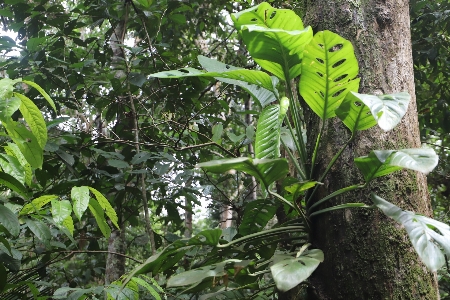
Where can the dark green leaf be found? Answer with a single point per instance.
(9, 220)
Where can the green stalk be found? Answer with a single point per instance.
(342, 206)
(294, 160)
(256, 235)
(297, 209)
(334, 194)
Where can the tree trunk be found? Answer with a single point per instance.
(368, 256)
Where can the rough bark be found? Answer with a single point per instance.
(368, 256)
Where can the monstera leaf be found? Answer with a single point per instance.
(383, 162)
(329, 69)
(275, 38)
(288, 271)
(266, 170)
(262, 95)
(359, 111)
(258, 78)
(421, 232)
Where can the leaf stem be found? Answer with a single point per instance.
(342, 206)
(334, 194)
(298, 209)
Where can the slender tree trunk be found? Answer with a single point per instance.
(367, 256)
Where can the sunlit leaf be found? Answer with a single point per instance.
(13, 150)
(61, 210)
(34, 119)
(13, 184)
(37, 204)
(43, 93)
(80, 198)
(8, 106)
(275, 38)
(329, 68)
(355, 114)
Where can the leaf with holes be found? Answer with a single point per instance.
(383, 162)
(275, 38)
(422, 233)
(266, 170)
(355, 114)
(258, 78)
(262, 95)
(386, 110)
(329, 69)
(288, 272)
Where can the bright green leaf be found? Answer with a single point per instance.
(329, 68)
(267, 141)
(12, 166)
(147, 286)
(61, 209)
(7, 87)
(68, 223)
(80, 198)
(355, 114)
(13, 150)
(217, 131)
(8, 106)
(43, 93)
(36, 204)
(34, 119)
(275, 38)
(9, 220)
(104, 203)
(382, 162)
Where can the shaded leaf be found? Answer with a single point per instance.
(8, 106)
(40, 230)
(288, 272)
(256, 216)
(13, 184)
(9, 220)
(421, 232)
(99, 216)
(43, 93)
(104, 203)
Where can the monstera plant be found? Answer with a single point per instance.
(327, 69)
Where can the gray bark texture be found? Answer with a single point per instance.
(367, 255)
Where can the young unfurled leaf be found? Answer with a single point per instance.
(421, 232)
(329, 70)
(382, 162)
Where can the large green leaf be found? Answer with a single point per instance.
(13, 150)
(288, 272)
(61, 210)
(359, 111)
(256, 216)
(9, 220)
(40, 230)
(27, 143)
(7, 87)
(329, 68)
(80, 198)
(104, 203)
(266, 170)
(421, 232)
(34, 119)
(36, 204)
(382, 162)
(262, 95)
(196, 276)
(99, 216)
(8, 106)
(275, 38)
(258, 78)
